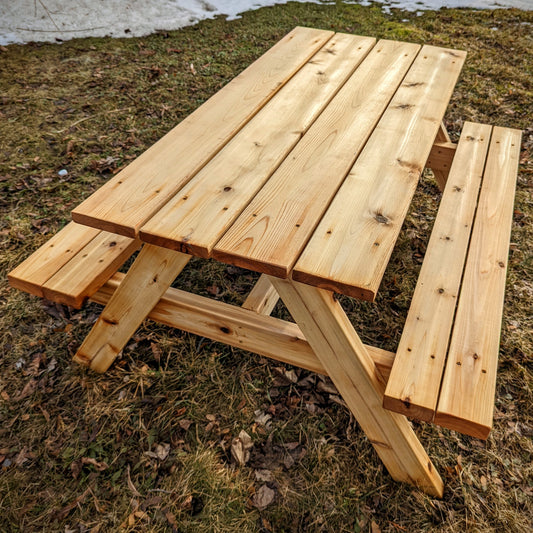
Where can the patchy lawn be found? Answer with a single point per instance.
(148, 445)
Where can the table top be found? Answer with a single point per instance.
(304, 165)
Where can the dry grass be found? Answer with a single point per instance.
(147, 446)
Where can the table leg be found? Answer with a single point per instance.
(147, 280)
(441, 175)
(347, 362)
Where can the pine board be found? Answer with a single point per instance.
(203, 210)
(421, 355)
(466, 401)
(351, 247)
(271, 232)
(129, 199)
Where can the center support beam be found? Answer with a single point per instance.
(361, 385)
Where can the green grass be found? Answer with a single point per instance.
(147, 446)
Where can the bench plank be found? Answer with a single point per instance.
(41, 265)
(300, 190)
(203, 210)
(350, 249)
(128, 200)
(466, 402)
(414, 387)
(73, 264)
(89, 269)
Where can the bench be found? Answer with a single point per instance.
(73, 264)
(445, 366)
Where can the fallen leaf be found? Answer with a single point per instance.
(240, 448)
(263, 497)
(131, 486)
(162, 451)
(374, 528)
(99, 465)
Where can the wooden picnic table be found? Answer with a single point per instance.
(301, 168)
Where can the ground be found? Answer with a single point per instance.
(159, 442)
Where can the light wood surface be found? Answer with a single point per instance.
(263, 297)
(271, 232)
(416, 376)
(360, 383)
(129, 199)
(466, 402)
(73, 264)
(148, 278)
(89, 269)
(205, 208)
(41, 265)
(242, 328)
(351, 247)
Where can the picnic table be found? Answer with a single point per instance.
(303, 168)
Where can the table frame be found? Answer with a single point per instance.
(324, 334)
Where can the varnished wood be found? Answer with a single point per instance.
(421, 354)
(271, 232)
(129, 199)
(245, 329)
(351, 246)
(466, 401)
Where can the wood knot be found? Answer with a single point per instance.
(382, 219)
(226, 330)
(227, 188)
(112, 243)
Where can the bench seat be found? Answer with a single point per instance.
(73, 264)
(446, 362)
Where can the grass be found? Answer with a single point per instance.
(147, 446)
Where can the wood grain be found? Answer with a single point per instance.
(273, 229)
(359, 382)
(421, 355)
(263, 297)
(202, 211)
(89, 269)
(242, 328)
(466, 401)
(351, 247)
(129, 199)
(148, 278)
(41, 265)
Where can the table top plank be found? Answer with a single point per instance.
(203, 210)
(271, 232)
(469, 384)
(124, 203)
(351, 247)
(421, 354)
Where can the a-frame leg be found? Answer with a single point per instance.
(147, 280)
(347, 362)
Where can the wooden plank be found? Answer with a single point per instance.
(89, 269)
(351, 247)
(124, 203)
(148, 278)
(245, 329)
(41, 265)
(361, 385)
(421, 355)
(273, 229)
(440, 161)
(263, 297)
(197, 217)
(466, 401)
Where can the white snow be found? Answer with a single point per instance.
(52, 20)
